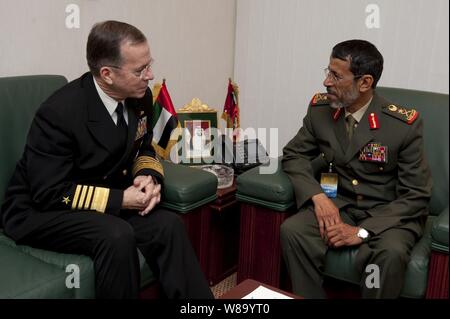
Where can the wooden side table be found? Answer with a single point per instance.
(196, 222)
(223, 240)
(214, 233)
(260, 255)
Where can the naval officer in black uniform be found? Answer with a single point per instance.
(89, 181)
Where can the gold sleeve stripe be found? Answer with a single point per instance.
(87, 203)
(147, 162)
(100, 199)
(146, 159)
(82, 197)
(148, 165)
(90, 198)
(75, 197)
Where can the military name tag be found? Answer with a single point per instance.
(374, 152)
(329, 184)
(141, 128)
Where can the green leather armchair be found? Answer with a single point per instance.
(27, 272)
(266, 200)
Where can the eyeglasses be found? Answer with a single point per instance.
(140, 74)
(334, 76)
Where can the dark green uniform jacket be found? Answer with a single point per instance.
(394, 194)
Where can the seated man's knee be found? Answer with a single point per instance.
(286, 229)
(290, 228)
(394, 254)
(170, 222)
(117, 233)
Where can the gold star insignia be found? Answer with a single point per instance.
(66, 200)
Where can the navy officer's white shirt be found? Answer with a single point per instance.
(111, 104)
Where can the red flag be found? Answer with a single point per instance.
(231, 106)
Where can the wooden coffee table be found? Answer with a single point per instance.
(249, 285)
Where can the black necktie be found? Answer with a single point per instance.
(122, 128)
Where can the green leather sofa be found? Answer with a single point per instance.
(269, 199)
(27, 272)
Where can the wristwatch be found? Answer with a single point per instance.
(363, 234)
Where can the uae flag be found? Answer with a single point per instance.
(164, 121)
(231, 107)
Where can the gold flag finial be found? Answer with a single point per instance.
(196, 106)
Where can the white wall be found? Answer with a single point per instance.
(283, 46)
(277, 49)
(192, 41)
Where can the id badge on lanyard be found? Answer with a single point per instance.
(329, 182)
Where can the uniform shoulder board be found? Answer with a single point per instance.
(402, 113)
(319, 99)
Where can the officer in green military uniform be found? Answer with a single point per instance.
(360, 177)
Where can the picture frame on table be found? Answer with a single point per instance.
(198, 122)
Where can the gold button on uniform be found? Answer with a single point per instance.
(360, 197)
(355, 182)
(124, 172)
(381, 168)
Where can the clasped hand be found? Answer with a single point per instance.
(143, 195)
(333, 230)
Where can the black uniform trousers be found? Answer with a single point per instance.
(304, 252)
(112, 244)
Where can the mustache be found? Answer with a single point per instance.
(329, 91)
